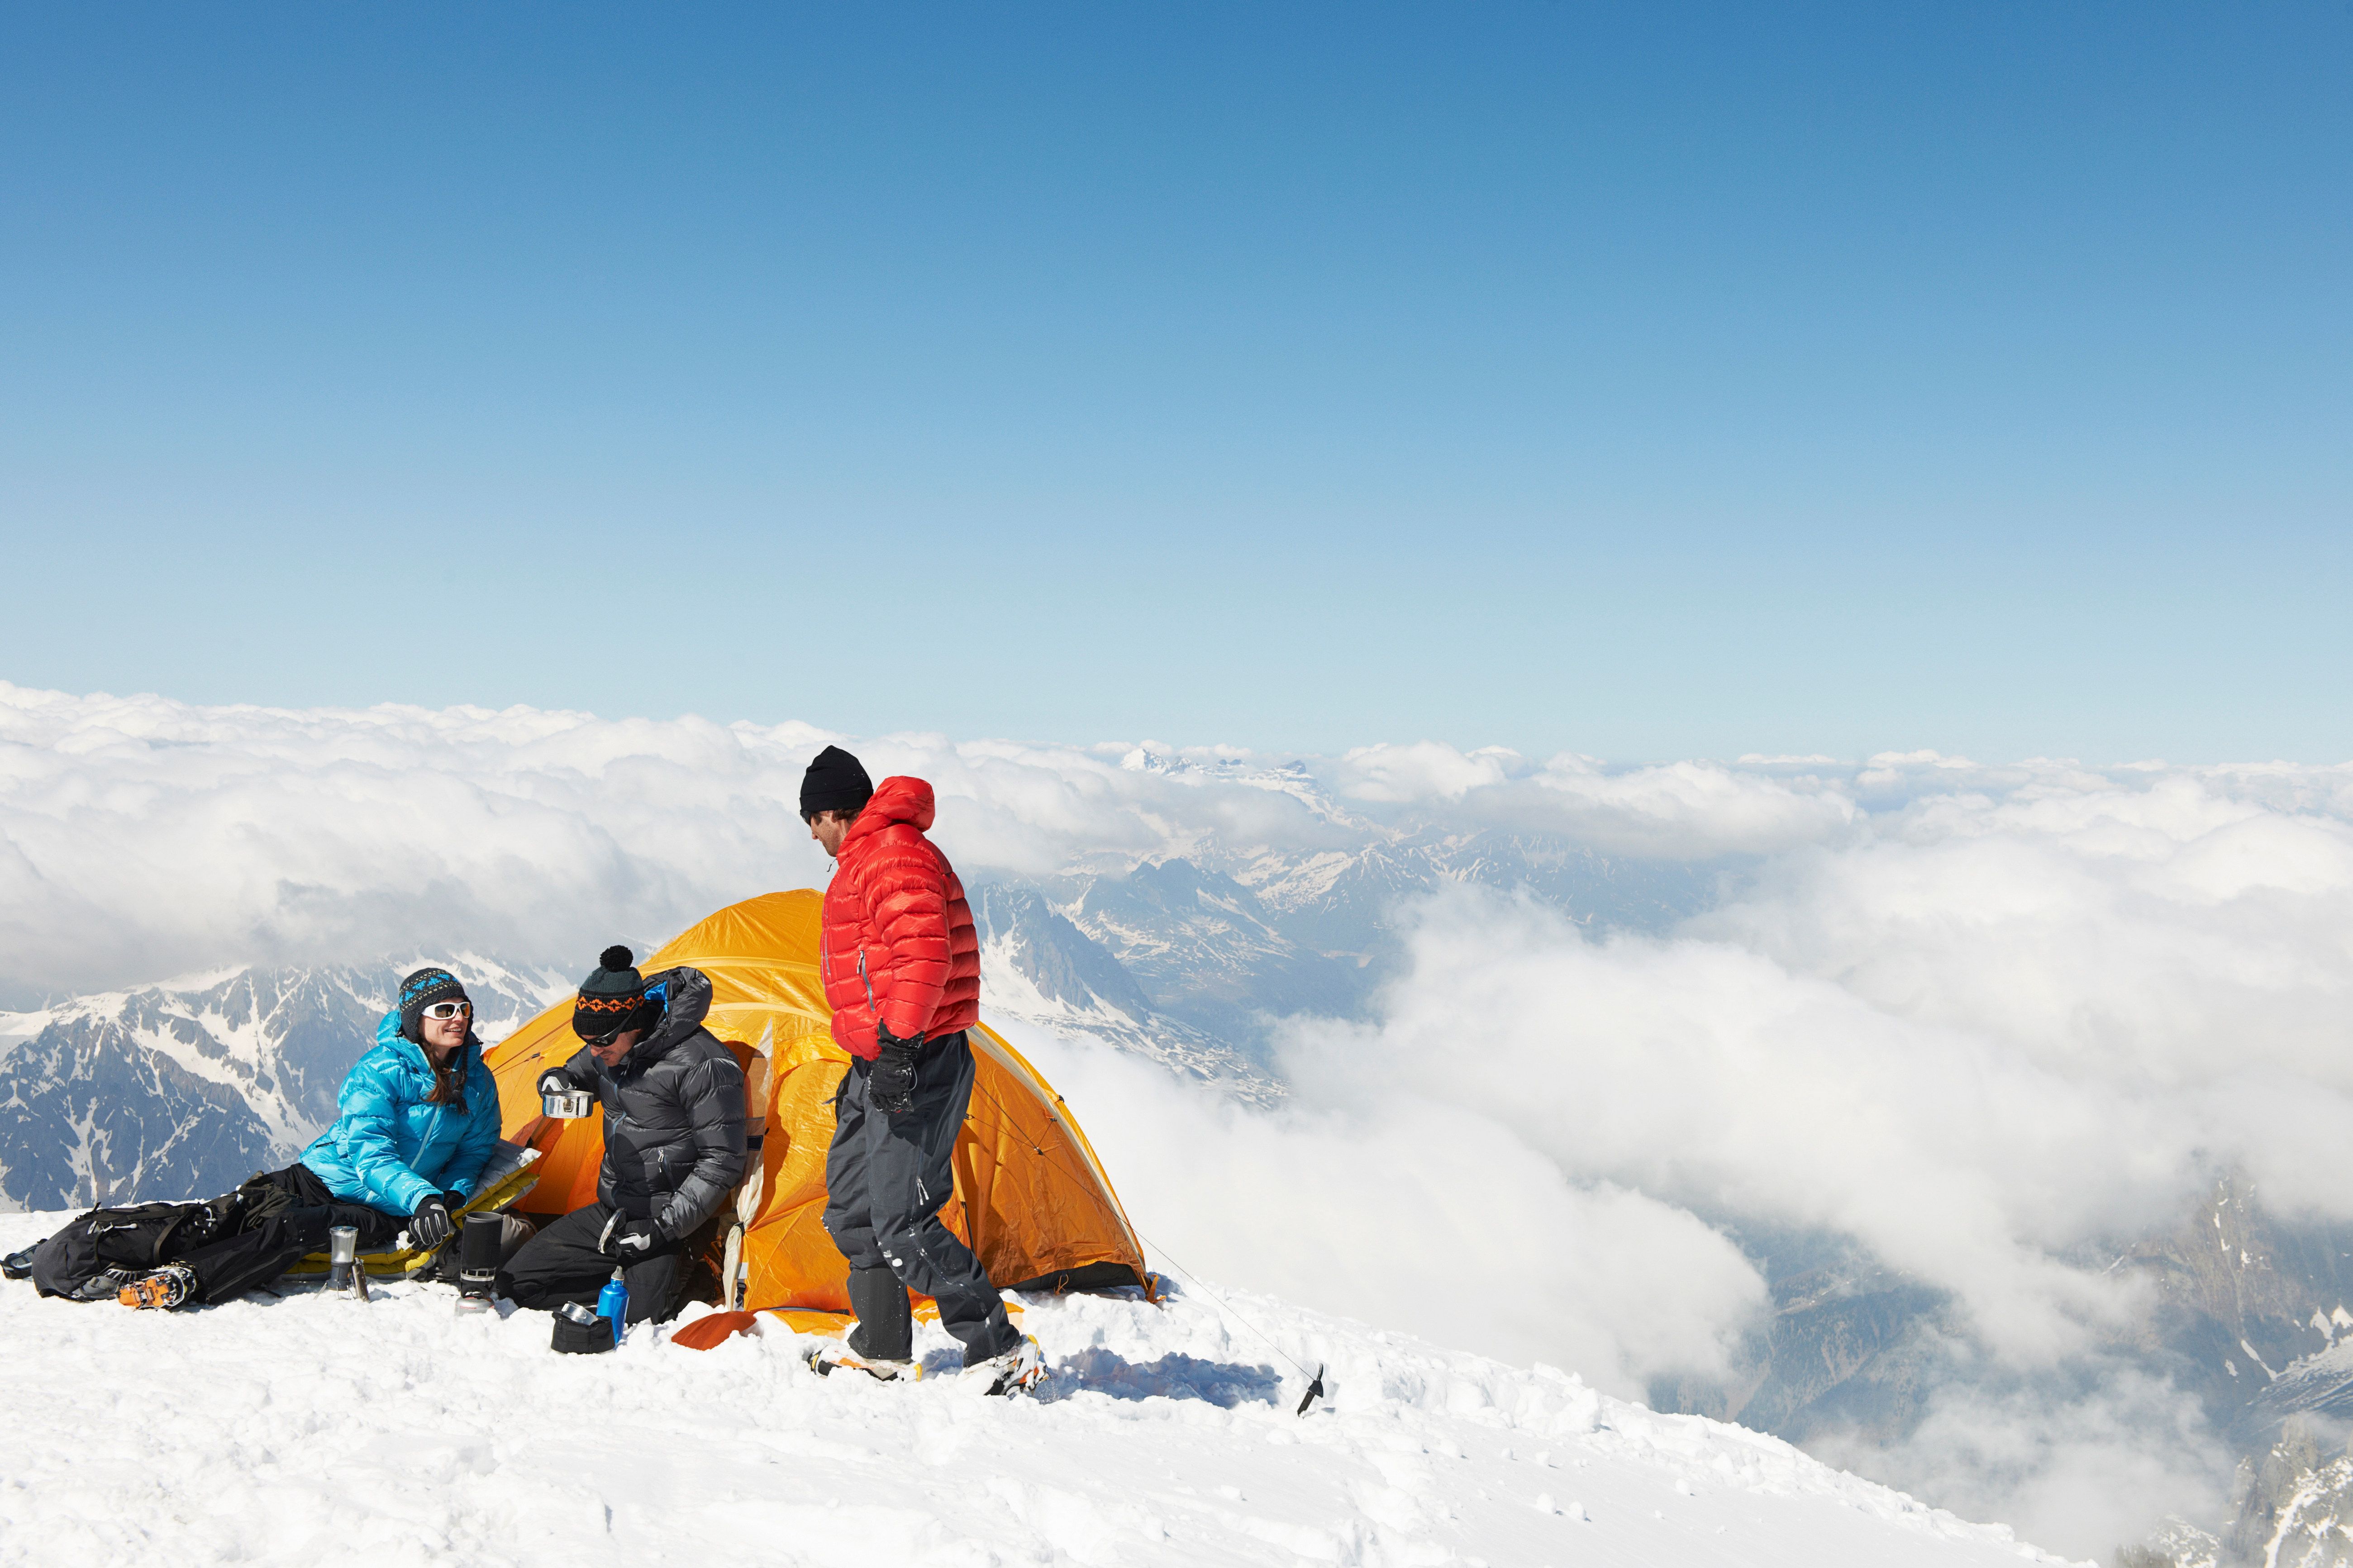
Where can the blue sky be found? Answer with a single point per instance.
(1698, 382)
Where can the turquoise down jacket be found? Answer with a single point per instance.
(391, 1150)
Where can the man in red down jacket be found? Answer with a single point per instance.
(901, 968)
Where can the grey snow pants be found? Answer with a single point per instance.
(562, 1263)
(885, 1179)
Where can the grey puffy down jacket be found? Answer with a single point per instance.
(674, 1113)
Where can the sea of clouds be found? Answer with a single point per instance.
(1975, 1018)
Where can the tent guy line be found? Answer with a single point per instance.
(1314, 1380)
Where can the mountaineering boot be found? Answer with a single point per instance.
(831, 1355)
(885, 1330)
(1017, 1371)
(168, 1287)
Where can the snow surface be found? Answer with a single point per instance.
(314, 1429)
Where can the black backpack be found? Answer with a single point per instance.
(105, 1250)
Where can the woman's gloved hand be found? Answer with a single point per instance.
(453, 1200)
(429, 1226)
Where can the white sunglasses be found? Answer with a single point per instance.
(440, 1011)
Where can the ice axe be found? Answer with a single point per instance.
(734, 1274)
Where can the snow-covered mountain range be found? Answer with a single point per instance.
(1191, 959)
(188, 1085)
(2248, 1312)
(185, 1088)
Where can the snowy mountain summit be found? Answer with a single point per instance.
(311, 1428)
(182, 1089)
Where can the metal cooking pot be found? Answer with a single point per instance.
(566, 1104)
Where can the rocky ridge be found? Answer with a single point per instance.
(188, 1086)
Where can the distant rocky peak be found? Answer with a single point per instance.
(1060, 962)
(185, 1087)
(2295, 1504)
(1037, 966)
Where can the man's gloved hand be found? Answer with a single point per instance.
(892, 1085)
(429, 1226)
(553, 1082)
(628, 1240)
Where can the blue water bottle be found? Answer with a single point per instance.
(613, 1304)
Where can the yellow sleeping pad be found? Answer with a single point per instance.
(507, 1177)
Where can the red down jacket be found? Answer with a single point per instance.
(898, 940)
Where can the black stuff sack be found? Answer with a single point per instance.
(575, 1338)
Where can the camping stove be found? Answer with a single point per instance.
(478, 1246)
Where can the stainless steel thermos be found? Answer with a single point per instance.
(343, 1247)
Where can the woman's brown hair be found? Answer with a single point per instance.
(449, 1087)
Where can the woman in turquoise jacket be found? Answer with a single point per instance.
(418, 1114)
(418, 1119)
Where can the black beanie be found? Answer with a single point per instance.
(610, 1000)
(835, 782)
(420, 991)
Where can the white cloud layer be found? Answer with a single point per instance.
(140, 837)
(1430, 1218)
(2086, 1466)
(1999, 1016)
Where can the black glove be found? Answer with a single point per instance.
(554, 1082)
(453, 1200)
(892, 1085)
(630, 1240)
(429, 1226)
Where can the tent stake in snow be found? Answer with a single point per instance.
(1314, 1384)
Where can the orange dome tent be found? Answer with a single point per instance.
(1030, 1198)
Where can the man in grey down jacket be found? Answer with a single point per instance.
(673, 1099)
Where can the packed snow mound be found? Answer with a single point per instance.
(309, 1428)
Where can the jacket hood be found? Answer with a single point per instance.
(897, 799)
(388, 1038)
(686, 1002)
